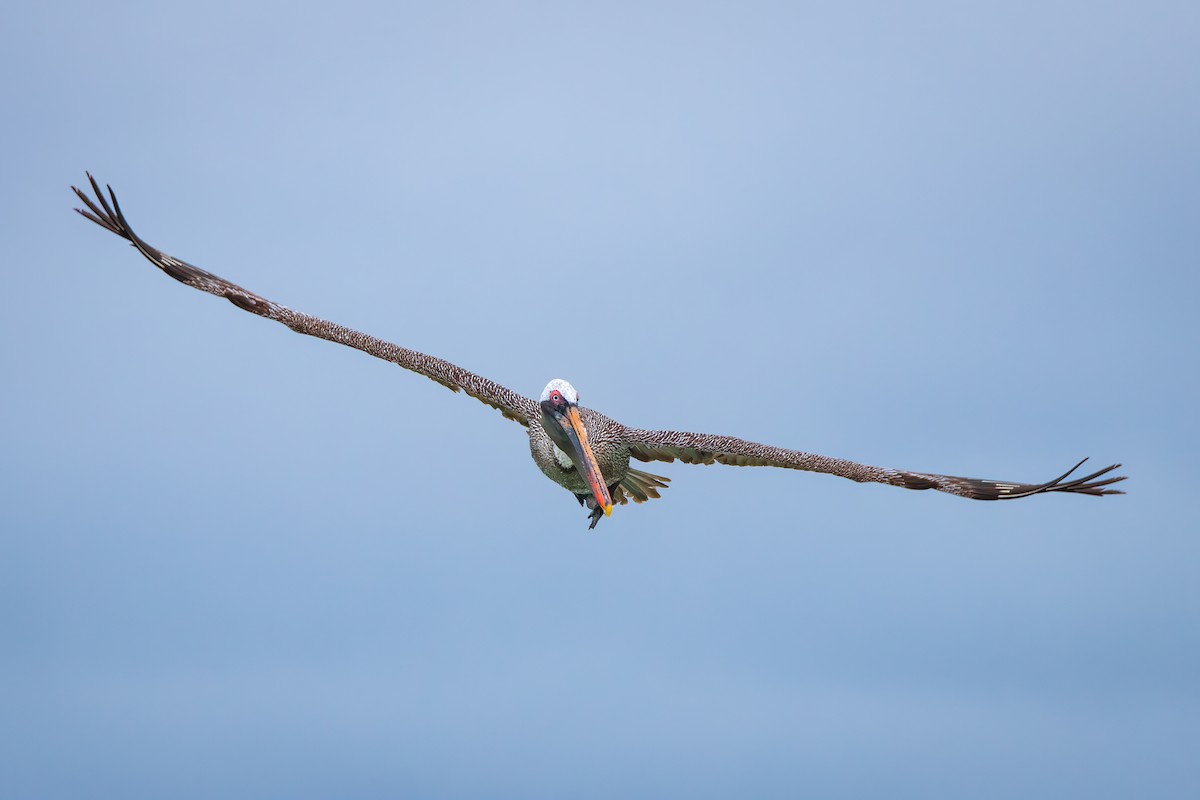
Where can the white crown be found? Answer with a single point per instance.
(564, 388)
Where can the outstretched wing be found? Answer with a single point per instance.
(510, 404)
(701, 448)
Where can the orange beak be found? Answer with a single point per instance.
(585, 462)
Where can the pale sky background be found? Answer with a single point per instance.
(962, 238)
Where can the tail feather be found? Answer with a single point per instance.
(639, 487)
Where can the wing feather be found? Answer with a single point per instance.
(510, 404)
(701, 448)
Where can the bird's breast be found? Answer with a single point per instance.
(564, 460)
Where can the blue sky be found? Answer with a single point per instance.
(943, 237)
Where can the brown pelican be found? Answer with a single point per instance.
(576, 447)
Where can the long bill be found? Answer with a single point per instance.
(585, 462)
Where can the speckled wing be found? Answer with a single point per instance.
(700, 448)
(510, 404)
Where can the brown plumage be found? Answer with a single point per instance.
(606, 444)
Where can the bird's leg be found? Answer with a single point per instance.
(590, 502)
(595, 516)
(587, 501)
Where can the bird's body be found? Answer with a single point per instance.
(612, 456)
(578, 448)
(610, 452)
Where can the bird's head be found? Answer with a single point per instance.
(558, 395)
(564, 426)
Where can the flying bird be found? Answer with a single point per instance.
(580, 449)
